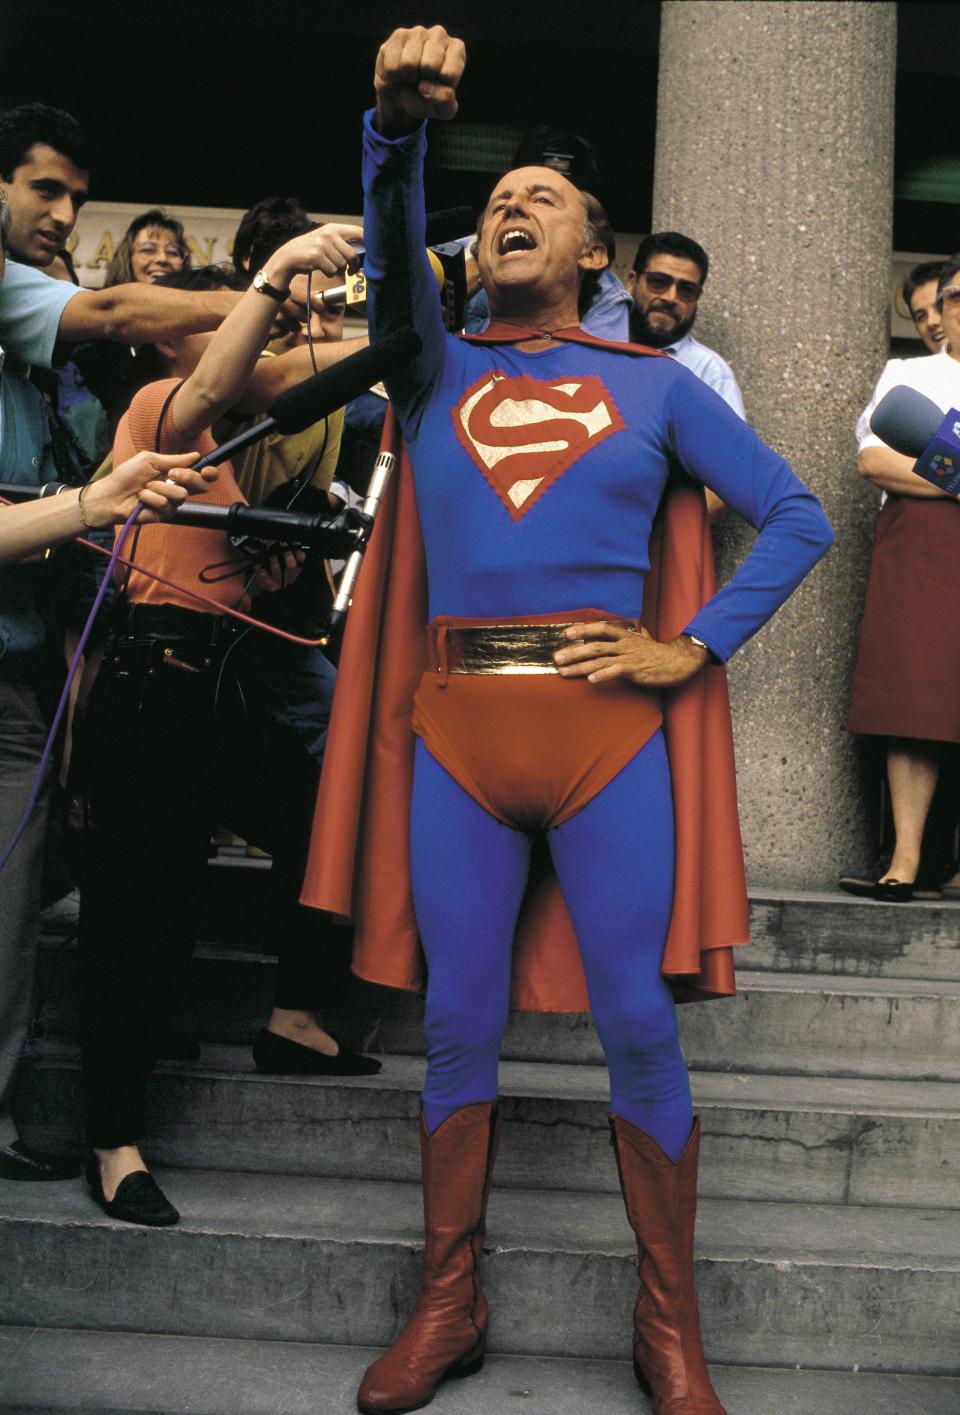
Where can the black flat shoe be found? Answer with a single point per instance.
(863, 885)
(928, 884)
(18, 1161)
(139, 1199)
(893, 891)
(277, 1056)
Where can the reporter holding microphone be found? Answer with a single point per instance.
(170, 748)
(158, 482)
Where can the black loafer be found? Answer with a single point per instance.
(139, 1199)
(18, 1161)
(864, 884)
(893, 891)
(277, 1056)
(928, 884)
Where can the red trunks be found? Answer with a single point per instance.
(531, 748)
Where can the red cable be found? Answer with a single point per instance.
(208, 599)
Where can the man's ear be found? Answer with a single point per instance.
(167, 352)
(631, 280)
(594, 257)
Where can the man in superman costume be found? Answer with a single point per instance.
(498, 617)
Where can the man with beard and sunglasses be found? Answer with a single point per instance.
(666, 282)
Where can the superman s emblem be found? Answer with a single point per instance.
(523, 433)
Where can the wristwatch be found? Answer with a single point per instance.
(262, 285)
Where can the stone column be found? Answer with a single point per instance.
(775, 151)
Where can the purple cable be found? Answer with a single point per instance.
(65, 695)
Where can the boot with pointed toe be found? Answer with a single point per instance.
(446, 1333)
(661, 1202)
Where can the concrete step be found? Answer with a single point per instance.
(789, 1024)
(797, 931)
(792, 931)
(812, 1139)
(113, 1373)
(805, 1023)
(295, 1259)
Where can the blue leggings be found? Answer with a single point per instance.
(614, 862)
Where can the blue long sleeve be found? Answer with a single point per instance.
(717, 447)
(402, 289)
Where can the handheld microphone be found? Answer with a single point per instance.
(906, 420)
(295, 409)
(447, 260)
(912, 424)
(334, 534)
(17, 492)
(315, 398)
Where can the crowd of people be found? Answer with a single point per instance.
(188, 719)
(163, 355)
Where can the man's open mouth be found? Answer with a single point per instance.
(515, 240)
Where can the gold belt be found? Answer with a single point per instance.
(501, 648)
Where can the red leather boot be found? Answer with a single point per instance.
(661, 1200)
(446, 1333)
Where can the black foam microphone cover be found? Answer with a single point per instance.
(906, 420)
(450, 224)
(298, 407)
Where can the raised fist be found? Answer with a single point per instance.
(416, 77)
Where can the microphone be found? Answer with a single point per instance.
(447, 259)
(449, 224)
(333, 533)
(316, 397)
(906, 420)
(295, 409)
(383, 470)
(17, 491)
(912, 424)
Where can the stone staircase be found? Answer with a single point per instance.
(829, 1231)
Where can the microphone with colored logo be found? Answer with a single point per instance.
(448, 261)
(913, 425)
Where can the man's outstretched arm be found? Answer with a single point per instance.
(143, 314)
(416, 77)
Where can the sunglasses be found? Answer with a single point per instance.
(949, 296)
(659, 282)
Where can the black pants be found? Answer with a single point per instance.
(169, 748)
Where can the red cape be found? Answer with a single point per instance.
(358, 865)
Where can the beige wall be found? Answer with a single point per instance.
(210, 231)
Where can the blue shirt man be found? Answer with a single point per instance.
(30, 308)
(665, 285)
